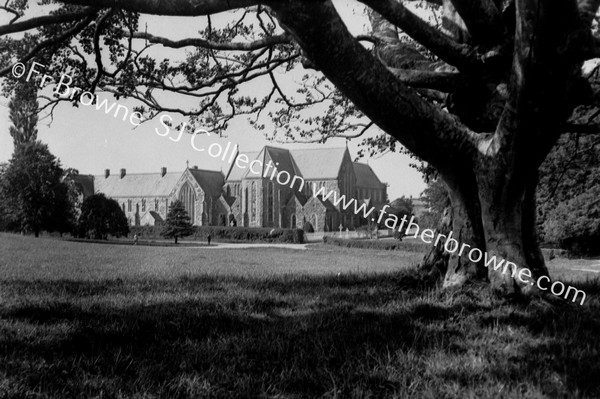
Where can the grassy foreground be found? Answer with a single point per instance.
(84, 320)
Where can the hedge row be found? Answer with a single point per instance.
(223, 233)
(389, 245)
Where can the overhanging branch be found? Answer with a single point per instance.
(582, 128)
(459, 55)
(183, 8)
(446, 82)
(209, 44)
(423, 128)
(45, 20)
(49, 42)
(483, 20)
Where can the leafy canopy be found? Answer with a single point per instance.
(33, 191)
(101, 216)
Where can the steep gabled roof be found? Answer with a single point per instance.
(366, 177)
(236, 173)
(84, 184)
(282, 159)
(319, 163)
(211, 181)
(136, 184)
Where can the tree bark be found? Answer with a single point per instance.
(467, 230)
(461, 222)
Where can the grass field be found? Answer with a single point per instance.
(105, 321)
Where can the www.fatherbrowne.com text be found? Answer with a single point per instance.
(450, 245)
(407, 227)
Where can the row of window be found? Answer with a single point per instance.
(128, 206)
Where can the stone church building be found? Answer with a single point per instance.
(244, 197)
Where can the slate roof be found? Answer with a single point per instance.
(310, 164)
(319, 163)
(85, 184)
(211, 181)
(137, 184)
(280, 158)
(365, 177)
(235, 173)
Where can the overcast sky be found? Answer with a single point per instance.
(91, 141)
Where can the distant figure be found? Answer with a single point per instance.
(135, 239)
(208, 239)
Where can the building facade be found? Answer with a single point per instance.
(247, 196)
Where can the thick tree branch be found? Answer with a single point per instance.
(183, 8)
(446, 82)
(539, 86)
(459, 55)
(588, 10)
(209, 44)
(483, 20)
(45, 20)
(97, 51)
(424, 129)
(56, 40)
(582, 128)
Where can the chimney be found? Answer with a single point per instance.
(163, 171)
(106, 173)
(195, 167)
(123, 172)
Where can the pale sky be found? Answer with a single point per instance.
(90, 140)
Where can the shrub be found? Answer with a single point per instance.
(308, 227)
(263, 234)
(389, 245)
(223, 233)
(430, 220)
(101, 216)
(574, 225)
(398, 235)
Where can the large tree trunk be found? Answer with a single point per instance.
(502, 226)
(499, 127)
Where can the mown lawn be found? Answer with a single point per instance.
(91, 320)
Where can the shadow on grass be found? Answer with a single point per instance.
(354, 336)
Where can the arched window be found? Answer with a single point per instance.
(187, 196)
(253, 201)
(293, 222)
(270, 203)
(315, 222)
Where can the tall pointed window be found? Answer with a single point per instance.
(187, 196)
(253, 201)
(270, 203)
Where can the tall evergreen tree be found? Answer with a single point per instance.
(177, 223)
(23, 108)
(33, 192)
